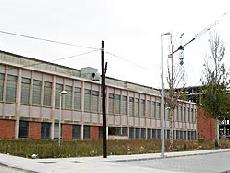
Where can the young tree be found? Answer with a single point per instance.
(175, 79)
(215, 99)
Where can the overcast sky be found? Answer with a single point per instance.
(131, 30)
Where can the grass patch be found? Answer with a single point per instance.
(50, 148)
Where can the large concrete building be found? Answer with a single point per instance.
(30, 98)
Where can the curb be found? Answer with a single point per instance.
(19, 169)
(167, 157)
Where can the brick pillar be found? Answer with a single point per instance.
(206, 126)
(7, 129)
(94, 131)
(67, 132)
(34, 130)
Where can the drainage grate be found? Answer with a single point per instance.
(47, 162)
(76, 162)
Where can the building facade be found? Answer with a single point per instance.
(30, 104)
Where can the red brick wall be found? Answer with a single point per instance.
(34, 130)
(67, 132)
(7, 129)
(94, 131)
(206, 126)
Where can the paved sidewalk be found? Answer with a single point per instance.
(111, 164)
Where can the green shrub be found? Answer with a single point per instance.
(51, 149)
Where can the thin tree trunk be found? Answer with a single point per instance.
(171, 129)
(217, 132)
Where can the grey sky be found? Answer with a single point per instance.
(131, 29)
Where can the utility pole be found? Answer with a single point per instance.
(103, 67)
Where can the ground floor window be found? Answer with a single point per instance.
(45, 130)
(23, 129)
(76, 131)
(86, 132)
(131, 133)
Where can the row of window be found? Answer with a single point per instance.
(140, 133)
(46, 131)
(134, 133)
(36, 92)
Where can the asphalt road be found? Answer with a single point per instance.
(209, 163)
(5, 169)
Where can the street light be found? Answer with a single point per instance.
(162, 98)
(59, 123)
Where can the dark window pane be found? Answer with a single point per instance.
(76, 132)
(131, 133)
(45, 130)
(86, 132)
(23, 129)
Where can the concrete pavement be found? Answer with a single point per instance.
(112, 164)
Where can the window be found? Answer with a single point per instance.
(181, 135)
(158, 133)
(68, 97)
(177, 134)
(142, 108)
(181, 113)
(154, 133)
(158, 110)
(86, 132)
(100, 103)
(111, 105)
(168, 134)
(59, 89)
(177, 113)
(2, 77)
(131, 106)
(143, 133)
(131, 133)
(137, 133)
(77, 98)
(76, 132)
(185, 114)
(117, 101)
(45, 131)
(47, 93)
(124, 131)
(184, 135)
(87, 100)
(94, 101)
(124, 105)
(101, 132)
(115, 131)
(136, 112)
(153, 109)
(23, 129)
(25, 91)
(11, 88)
(148, 109)
(188, 110)
(37, 89)
(149, 135)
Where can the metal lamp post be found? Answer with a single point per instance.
(60, 115)
(162, 98)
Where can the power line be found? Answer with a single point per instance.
(125, 59)
(47, 40)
